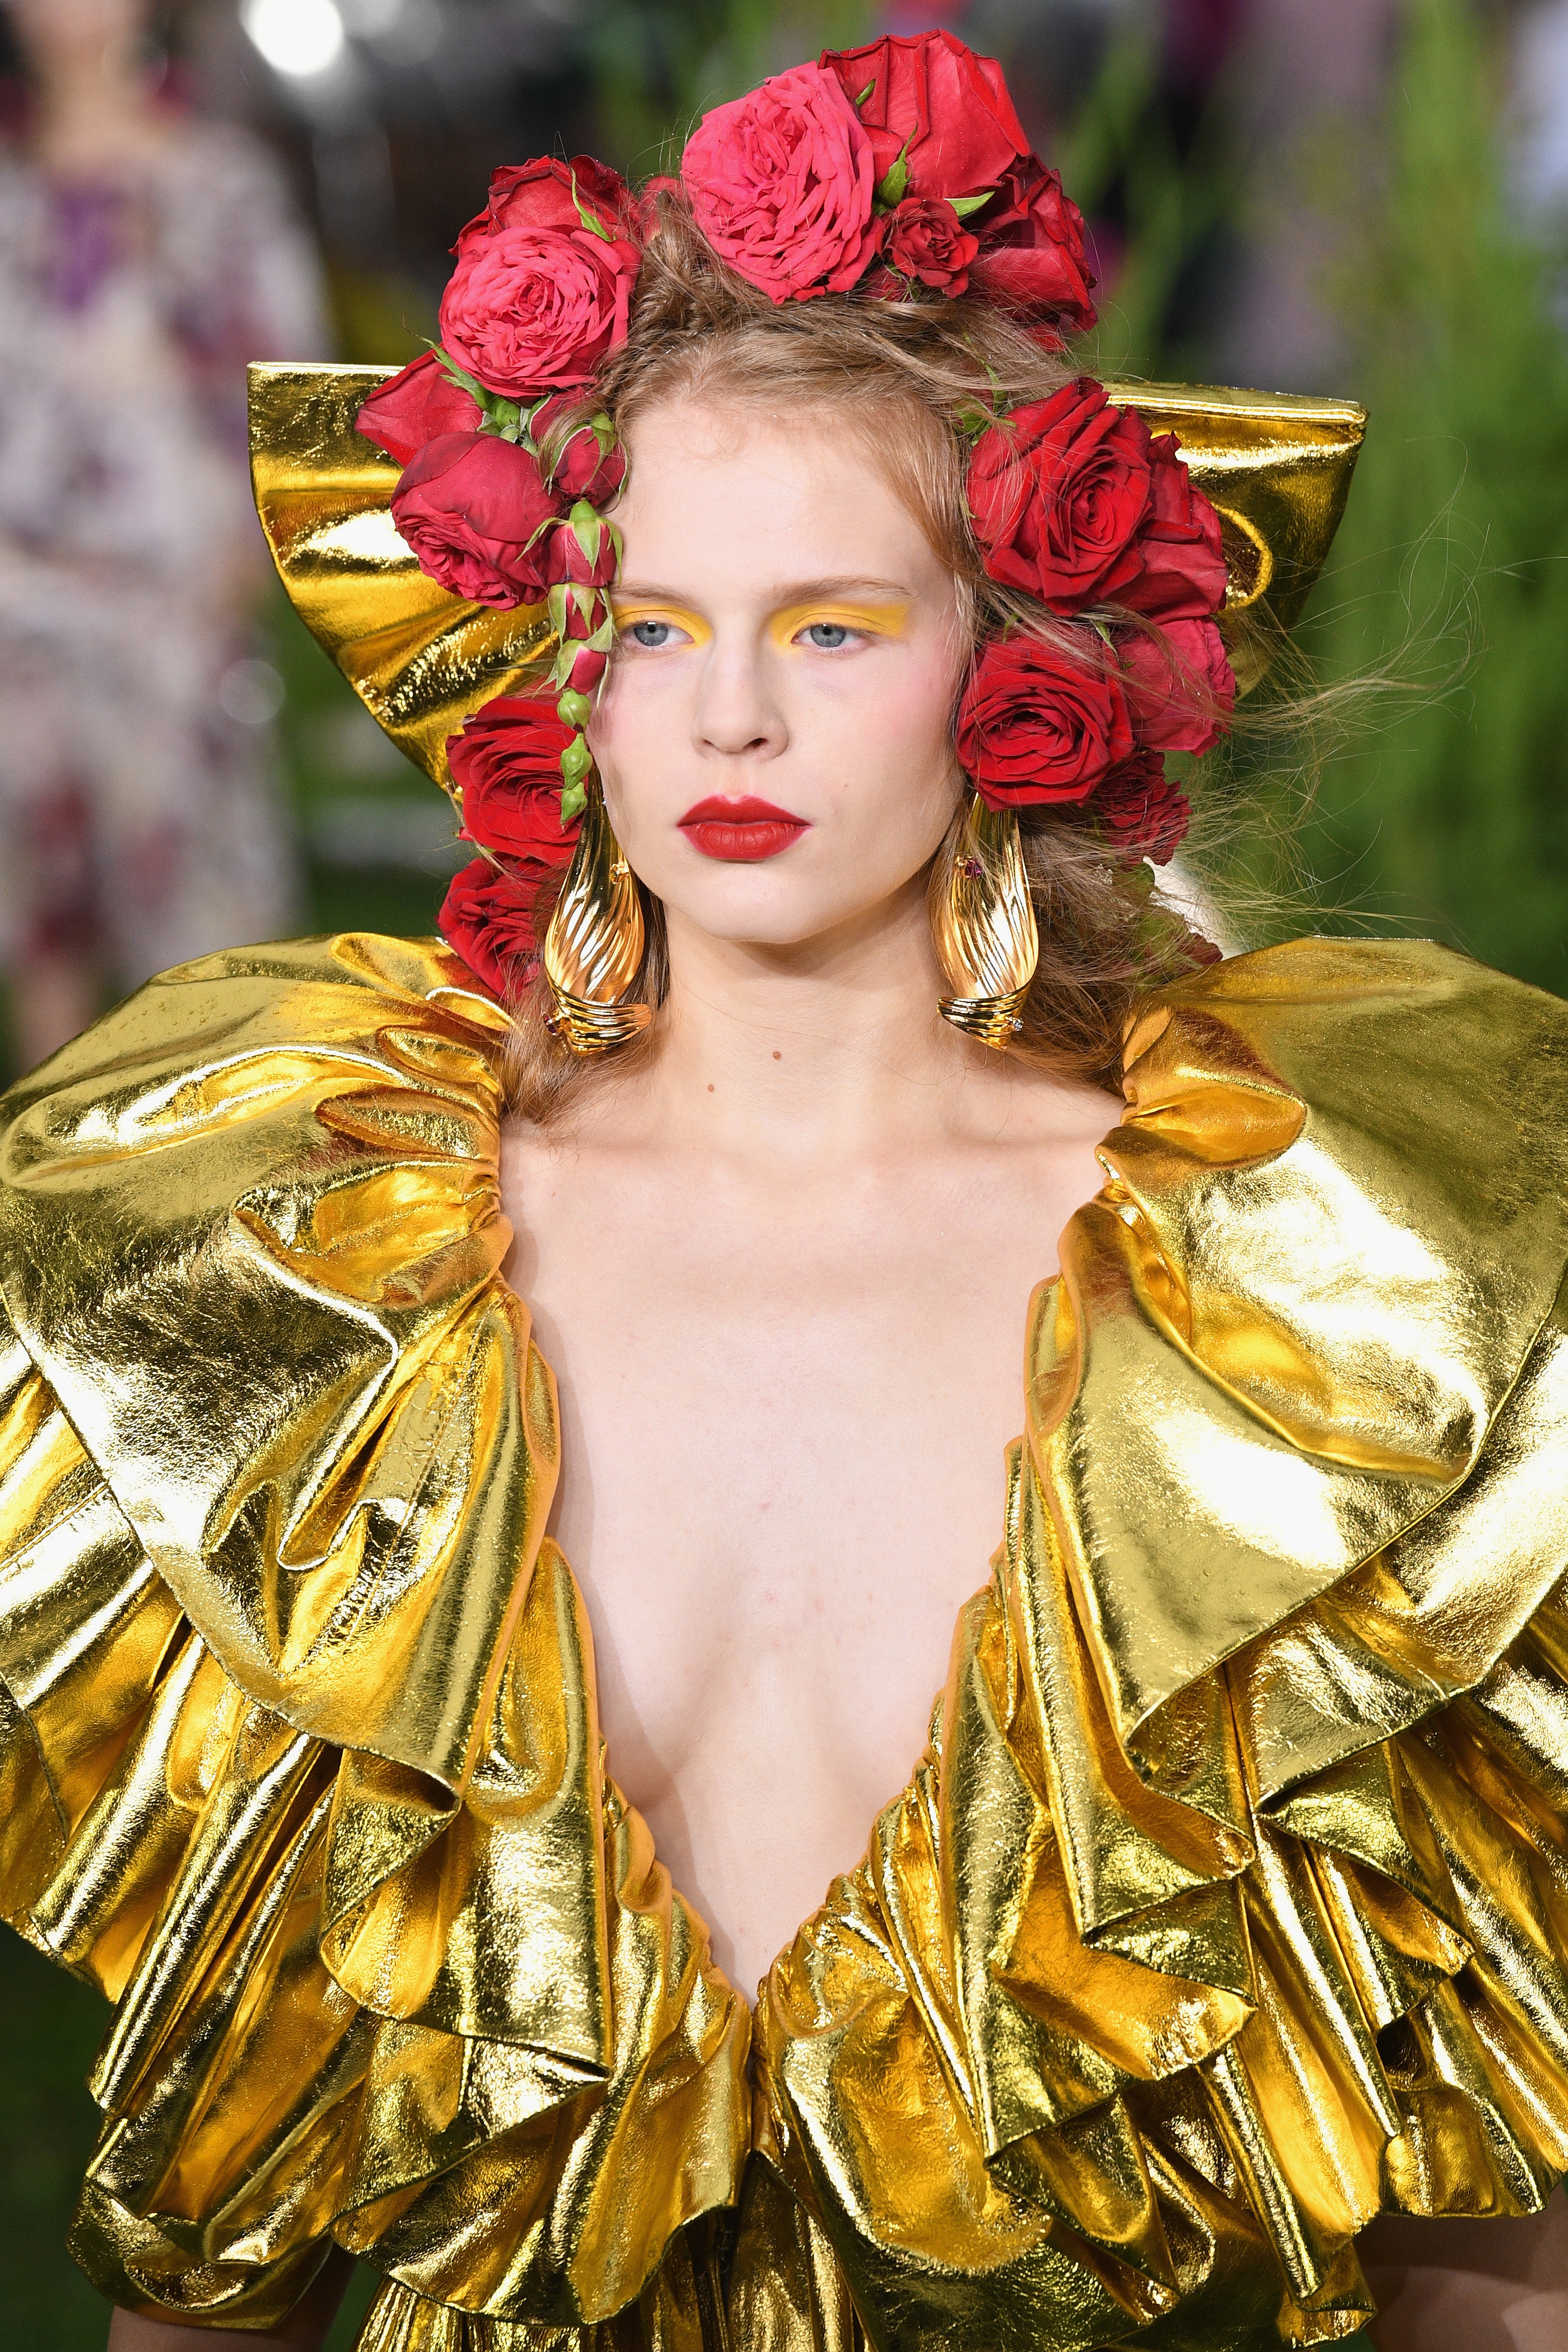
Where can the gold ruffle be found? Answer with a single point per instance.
(301, 1737)
(1227, 1907)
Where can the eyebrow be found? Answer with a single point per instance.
(795, 592)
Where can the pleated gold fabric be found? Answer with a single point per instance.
(1227, 1907)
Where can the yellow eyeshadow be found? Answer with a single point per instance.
(868, 620)
(695, 626)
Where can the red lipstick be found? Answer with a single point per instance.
(740, 830)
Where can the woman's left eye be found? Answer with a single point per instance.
(827, 636)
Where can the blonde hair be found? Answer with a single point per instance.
(910, 378)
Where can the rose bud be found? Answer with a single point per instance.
(577, 466)
(923, 237)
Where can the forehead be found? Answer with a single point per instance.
(730, 488)
(739, 464)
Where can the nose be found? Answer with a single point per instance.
(738, 716)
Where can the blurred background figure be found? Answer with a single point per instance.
(144, 257)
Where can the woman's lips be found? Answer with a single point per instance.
(740, 830)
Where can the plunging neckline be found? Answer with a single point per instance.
(723, 1977)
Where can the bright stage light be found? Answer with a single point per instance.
(295, 36)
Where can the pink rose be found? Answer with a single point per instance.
(1182, 571)
(781, 183)
(1031, 257)
(476, 512)
(1181, 687)
(934, 98)
(417, 405)
(923, 237)
(538, 297)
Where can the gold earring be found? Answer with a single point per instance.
(593, 947)
(983, 923)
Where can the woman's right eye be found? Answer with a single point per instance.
(651, 634)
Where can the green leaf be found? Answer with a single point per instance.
(890, 189)
(574, 710)
(866, 93)
(965, 205)
(573, 801)
(588, 219)
(587, 528)
(460, 376)
(501, 418)
(576, 760)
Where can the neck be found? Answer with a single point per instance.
(84, 99)
(803, 1052)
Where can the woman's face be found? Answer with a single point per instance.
(76, 32)
(773, 734)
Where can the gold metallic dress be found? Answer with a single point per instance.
(1227, 1906)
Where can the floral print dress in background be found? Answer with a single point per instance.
(138, 803)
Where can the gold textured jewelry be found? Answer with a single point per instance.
(593, 947)
(983, 922)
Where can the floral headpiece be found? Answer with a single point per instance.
(898, 172)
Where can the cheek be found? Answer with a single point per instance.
(898, 728)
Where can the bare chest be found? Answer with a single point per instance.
(784, 1442)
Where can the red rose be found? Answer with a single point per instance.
(934, 98)
(1183, 573)
(780, 183)
(506, 763)
(581, 469)
(1031, 257)
(548, 194)
(488, 918)
(417, 405)
(1180, 684)
(923, 237)
(538, 297)
(1035, 725)
(476, 512)
(1143, 813)
(1059, 492)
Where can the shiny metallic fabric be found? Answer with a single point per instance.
(1277, 466)
(593, 946)
(1228, 1904)
(983, 927)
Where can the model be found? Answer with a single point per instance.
(810, 979)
